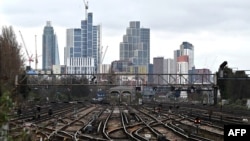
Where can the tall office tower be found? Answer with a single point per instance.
(82, 51)
(168, 69)
(182, 69)
(177, 53)
(158, 69)
(91, 39)
(163, 67)
(50, 48)
(73, 58)
(187, 49)
(136, 45)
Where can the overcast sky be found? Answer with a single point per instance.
(218, 29)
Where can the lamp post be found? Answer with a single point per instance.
(221, 69)
(221, 75)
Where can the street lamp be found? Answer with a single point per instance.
(221, 75)
(221, 69)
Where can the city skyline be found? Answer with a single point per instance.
(218, 30)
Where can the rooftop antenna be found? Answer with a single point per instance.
(86, 9)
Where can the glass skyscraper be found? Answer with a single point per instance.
(136, 45)
(50, 48)
(82, 51)
(187, 48)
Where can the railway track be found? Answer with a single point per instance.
(186, 127)
(76, 122)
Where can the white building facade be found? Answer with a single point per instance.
(80, 65)
(182, 69)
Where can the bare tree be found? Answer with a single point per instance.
(11, 59)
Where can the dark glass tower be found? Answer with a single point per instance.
(50, 48)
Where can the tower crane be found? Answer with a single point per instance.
(86, 8)
(103, 55)
(30, 59)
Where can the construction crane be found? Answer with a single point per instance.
(36, 55)
(30, 59)
(103, 55)
(86, 8)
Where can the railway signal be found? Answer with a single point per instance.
(197, 122)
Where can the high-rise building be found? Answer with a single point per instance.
(82, 51)
(91, 39)
(182, 69)
(162, 69)
(135, 48)
(136, 45)
(187, 49)
(176, 55)
(50, 48)
(180, 64)
(168, 69)
(158, 69)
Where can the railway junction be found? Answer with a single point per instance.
(117, 111)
